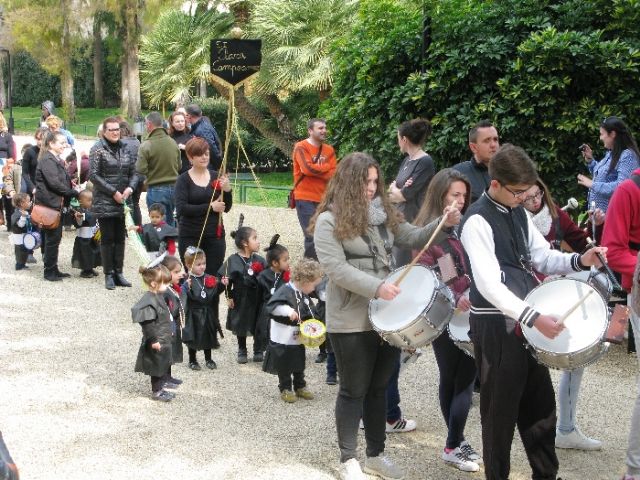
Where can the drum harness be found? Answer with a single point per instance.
(374, 251)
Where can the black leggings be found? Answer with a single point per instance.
(192, 355)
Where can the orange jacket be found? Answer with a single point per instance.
(317, 170)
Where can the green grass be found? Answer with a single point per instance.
(27, 119)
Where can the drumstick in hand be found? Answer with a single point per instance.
(608, 270)
(563, 318)
(424, 249)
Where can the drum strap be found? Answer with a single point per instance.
(374, 253)
(559, 233)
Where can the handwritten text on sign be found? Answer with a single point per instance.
(235, 60)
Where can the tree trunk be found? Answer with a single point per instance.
(132, 25)
(124, 85)
(203, 88)
(277, 112)
(254, 117)
(66, 75)
(98, 81)
(3, 92)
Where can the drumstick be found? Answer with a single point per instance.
(424, 249)
(610, 274)
(562, 319)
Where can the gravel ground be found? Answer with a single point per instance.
(73, 408)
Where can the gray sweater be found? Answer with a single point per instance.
(354, 281)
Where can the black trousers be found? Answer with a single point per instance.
(285, 381)
(365, 364)
(515, 390)
(21, 255)
(112, 240)
(51, 242)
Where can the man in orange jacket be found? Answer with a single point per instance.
(314, 163)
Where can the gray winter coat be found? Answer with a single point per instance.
(353, 279)
(111, 169)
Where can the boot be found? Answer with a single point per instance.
(109, 283)
(118, 261)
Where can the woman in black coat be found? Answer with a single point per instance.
(181, 134)
(30, 161)
(114, 178)
(53, 190)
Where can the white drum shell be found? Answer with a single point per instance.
(458, 330)
(418, 315)
(581, 342)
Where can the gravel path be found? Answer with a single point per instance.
(72, 407)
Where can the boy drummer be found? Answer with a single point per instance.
(504, 248)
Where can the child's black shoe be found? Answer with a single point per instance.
(86, 274)
(194, 366)
(162, 396)
(21, 266)
(211, 365)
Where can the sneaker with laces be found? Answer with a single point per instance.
(350, 470)
(288, 396)
(382, 466)
(577, 440)
(470, 453)
(305, 393)
(459, 460)
(401, 425)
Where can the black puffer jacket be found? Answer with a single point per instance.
(111, 169)
(53, 185)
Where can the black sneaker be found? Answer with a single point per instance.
(194, 366)
(242, 356)
(60, 274)
(332, 379)
(21, 266)
(162, 396)
(52, 278)
(211, 365)
(258, 357)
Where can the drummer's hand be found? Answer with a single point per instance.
(293, 316)
(548, 326)
(387, 291)
(589, 258)
(464, 304)
(453, 216)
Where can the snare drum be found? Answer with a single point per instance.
(597, 279)
(312, 333)
(418, 314)
(31, 240)
(458, 330)
(581, 342)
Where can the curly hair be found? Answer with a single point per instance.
(345, 197)
(306, 270)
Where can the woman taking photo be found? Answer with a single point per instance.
(194, 192)
(558, 229)
(622, 158)
(457, 369)
(53, 190)
(355, 228)
(181, 134)
(114, 178)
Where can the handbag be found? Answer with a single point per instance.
(45, 217)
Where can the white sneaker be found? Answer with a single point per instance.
(577, 440)
(459, 460)
(470, 453)
(350, 470)
(401, 425)
(382, 466)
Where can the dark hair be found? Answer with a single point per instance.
(171, 129)
(416, 130)
(171, 262)
(193, 109)
(49, 138)
(241, 236)
(434, 201)
(311, 123)
(196, 146)
(25, 147)
(109, 120)
(275, 253)
(18, 198)
(158, 207)
(512, 166)
(40, 131)
(158, 274)
(125, 129)
(473, 131)
(72, 157)
(154, 118)
(623, 141)
(547, 198)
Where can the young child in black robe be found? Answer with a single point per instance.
(174, 301)
(241, 271)
(201, 326)
(19, 226)
(289, 306)
(86, 251)
(157, 235)
(269, 280)
(151, 312)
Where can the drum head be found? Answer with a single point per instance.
(584, 327)
(31, 240)
(417, 291)
(596, 279)
(459, 326)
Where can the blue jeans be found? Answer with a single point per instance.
(305, 210)
(162, 194)
(568, 390)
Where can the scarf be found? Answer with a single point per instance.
(377, 215)
(542, 220)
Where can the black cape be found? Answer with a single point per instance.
(268, 283)
(201, 324)
(155, 237)
(173, 299)
(152, 314)
(86, 251)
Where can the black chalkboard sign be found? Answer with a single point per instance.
(235, 60)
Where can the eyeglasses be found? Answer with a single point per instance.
(532, 198)
(113, 129)
(517, 193)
